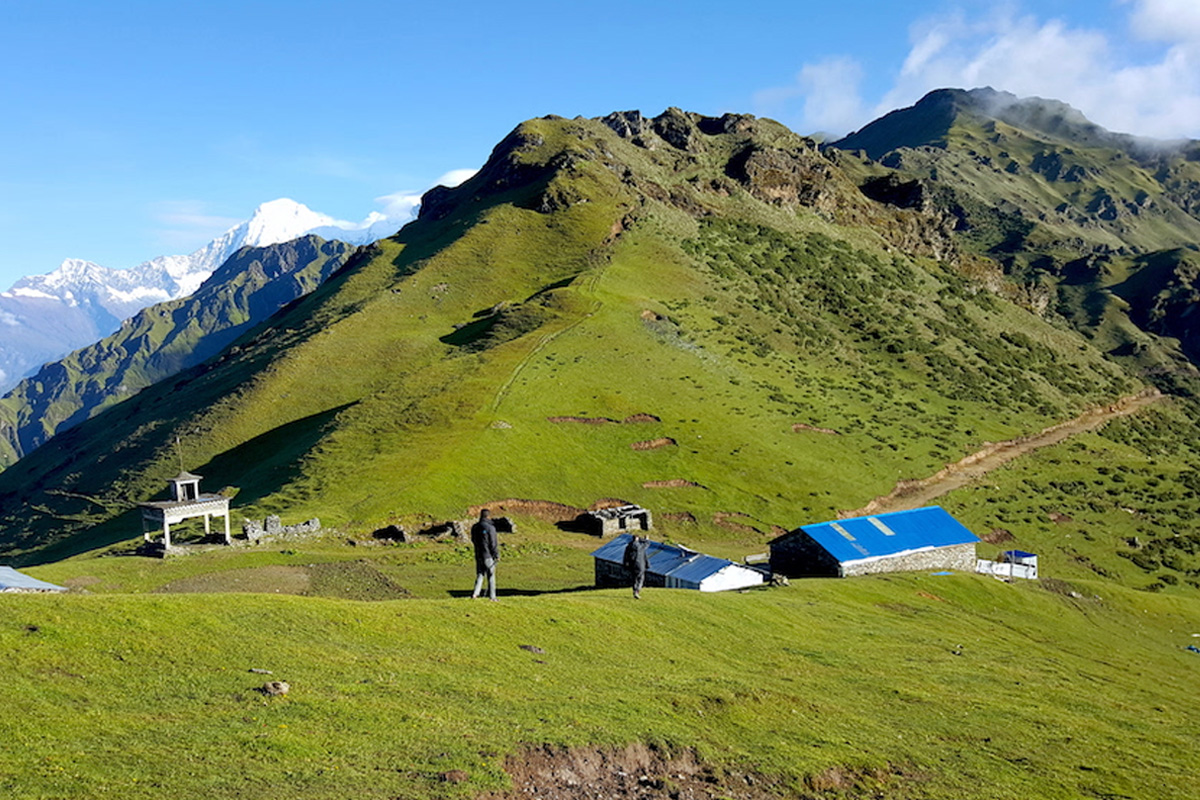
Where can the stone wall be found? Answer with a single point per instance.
(253, 530)
(959, 557)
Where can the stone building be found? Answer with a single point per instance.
(612, 521)
(919, 539)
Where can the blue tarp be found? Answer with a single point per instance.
(11, 580)
(888, 534)
(666, 560)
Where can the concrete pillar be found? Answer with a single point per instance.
(166, 533)
(228, 538)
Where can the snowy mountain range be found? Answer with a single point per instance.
(44, 317)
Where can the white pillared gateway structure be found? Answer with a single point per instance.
(186, 503)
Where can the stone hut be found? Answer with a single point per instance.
(612, 521)
(915, 540)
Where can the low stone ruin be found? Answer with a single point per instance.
(611, 521)
(254, 530)
(458, 530)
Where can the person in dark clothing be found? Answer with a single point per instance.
(636, 562)
(487, 553)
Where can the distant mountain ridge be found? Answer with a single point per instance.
(161, 340)
(1098, 227)
(44, 317)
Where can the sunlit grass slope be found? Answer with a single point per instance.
(951, 687)
(721, 279)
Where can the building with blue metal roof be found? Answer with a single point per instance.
(674, 568)
(901, 541)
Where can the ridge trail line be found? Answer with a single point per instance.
(914, 493)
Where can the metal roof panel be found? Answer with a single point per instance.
(889, 534)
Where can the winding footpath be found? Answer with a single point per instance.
(916, 493)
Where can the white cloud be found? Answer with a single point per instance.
(829, 92)
(455, 177)
(400, 205)
(1167, 20)
(7, 318)
(403, 205)
(1027, 56)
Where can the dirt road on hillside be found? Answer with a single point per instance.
(916, 493)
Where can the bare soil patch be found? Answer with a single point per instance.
(997, 536)
(634, 771)
(633, 419)
(654, 444)
(914, 493)
(607, 502)
(673, 483)
(538, 509)
(680, 517)
(741, 523)
(804, 426)
(645, 772)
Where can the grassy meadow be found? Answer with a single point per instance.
(954, 686)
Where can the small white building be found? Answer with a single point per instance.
(1010, 564)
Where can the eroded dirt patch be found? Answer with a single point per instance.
(634, 771)
(804, 426)
(914, 493)
(538, 509)
(741, 523)
(672, 483)
(654, 444)
(632, 419)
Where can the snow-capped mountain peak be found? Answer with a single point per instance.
(283, 220)
(98, 298)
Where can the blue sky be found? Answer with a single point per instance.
(134, 129)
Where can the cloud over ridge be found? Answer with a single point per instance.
(1157, 96)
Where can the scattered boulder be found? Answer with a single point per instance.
(252, 530)
(391, 533)
(275, 688)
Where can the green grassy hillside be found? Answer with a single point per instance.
(1096, 228)
(719, 277)
(913, 686)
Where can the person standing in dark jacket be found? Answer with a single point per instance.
(636, 562)
(487, 553)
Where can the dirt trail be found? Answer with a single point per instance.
(916, 493)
